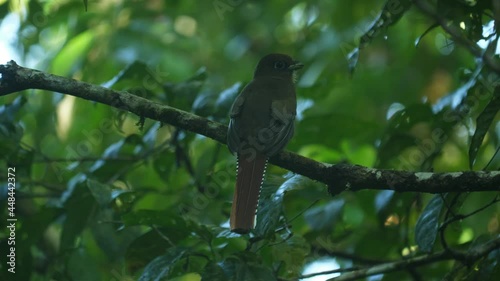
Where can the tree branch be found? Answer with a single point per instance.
(457, 36)
(471, 256)
(338, 177)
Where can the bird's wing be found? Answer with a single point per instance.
(281, 125)
(233, 139)
(236, 108)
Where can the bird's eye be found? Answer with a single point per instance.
(279, 65)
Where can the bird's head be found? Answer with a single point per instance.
(277, 65)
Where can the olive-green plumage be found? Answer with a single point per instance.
(261, 124)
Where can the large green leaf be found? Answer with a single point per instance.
(269, 209)
(182, 95)
(483, 123)
(11, 132)
(78, 211)
(213, 272)
(427, 226)
(101, 192)
(325, 217)
(148, 246)
(161, 266)
(292, 253)
(399, 133)
(137, 78)
(392, 11)
(225, 100)
(72, 54)
(455, 99)
(103, 169)
(486, 268)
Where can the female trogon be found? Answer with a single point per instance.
(261, 124)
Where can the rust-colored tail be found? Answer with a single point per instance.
(246, 196)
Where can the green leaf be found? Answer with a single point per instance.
(354, 214)
(34, 227)
(321, 153)
(149, 138)
(101, 192)
(22, 159)
(9, 111)
(292, 253)
(103, 169)
(361, 155)
(254, 272)
(225, 100)
(160, 267)
(427, 225)
(483, 122)
(316, 128)
(213, 272)
(203, 105)
(352, 59)
(399, 133)
(204, 232)
(427, 31)
(82, 267)
(182, 95)
(405, 119)
(240, 270)
(326, 216)
(390, 14)
(11, 131)
(202, 157)
(486, 268)
(78, 209)
(70, 56)
(270, 206)
(148, 246)
(383, 199)
(269, 210)
(453, 100)
(164, 165)
(388, 202)
(137, 78)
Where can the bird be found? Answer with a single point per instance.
(261, 124)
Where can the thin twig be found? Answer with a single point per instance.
(471, 256)
(457, 35)
(339, 270)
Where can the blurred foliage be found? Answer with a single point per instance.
(105, 195)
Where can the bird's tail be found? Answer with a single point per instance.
(246, 196)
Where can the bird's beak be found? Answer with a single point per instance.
(296, 65)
